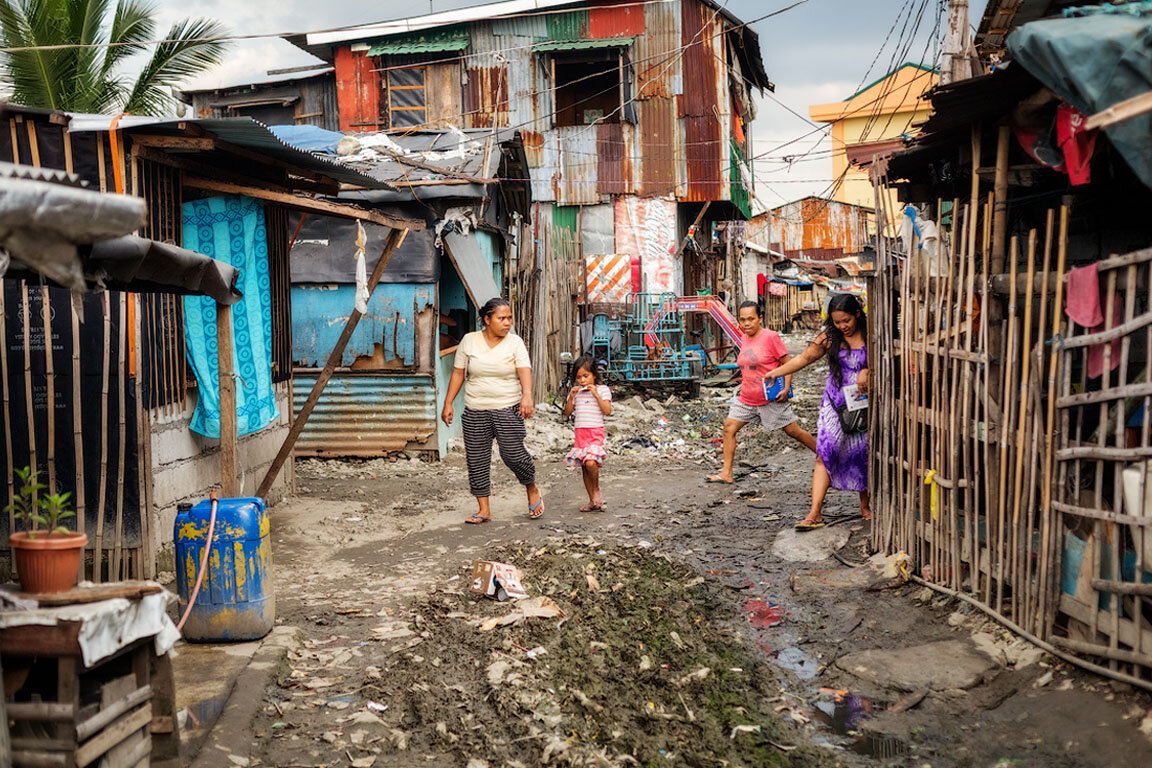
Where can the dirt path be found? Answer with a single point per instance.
(697, 628)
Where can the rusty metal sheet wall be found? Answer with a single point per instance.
(575, 183)
(703, 161)
(486, 97)
(616, 21)
(357, 90)
(613, 160)
(657, 157)
(818, 229)
(700, 34)
(656, 61)
(568, 26)
(521, 26)
(540, 149)
(367, 414)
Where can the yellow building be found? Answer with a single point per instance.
(873, 121)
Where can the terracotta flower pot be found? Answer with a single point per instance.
(49, 562)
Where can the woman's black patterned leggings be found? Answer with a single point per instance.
(507, 427)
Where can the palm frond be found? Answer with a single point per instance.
(132, 25)
(191, 47)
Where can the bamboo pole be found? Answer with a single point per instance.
(989, 383)
(1118, 440)
(98, 549)
(114, 573)
(7, 405)
(229, 486)
(1114, 532)
(1009, 348)
(50, 383)
(76, 309)
(143, 468)
(30, 408)
(1031, 566)
(1021, 432)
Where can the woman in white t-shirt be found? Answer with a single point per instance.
(497, 400)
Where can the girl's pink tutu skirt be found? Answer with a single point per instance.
(589, 446)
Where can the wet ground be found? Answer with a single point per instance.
(686, 625)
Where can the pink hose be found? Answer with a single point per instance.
(203, 563)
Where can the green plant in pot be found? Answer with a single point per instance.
(47, 554)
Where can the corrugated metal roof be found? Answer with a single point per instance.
(454, 38)
(580, 45)
(240, 131)
(432, 46)
(366, 415)
(31, 173)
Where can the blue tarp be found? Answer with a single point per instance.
(310, 138)
(1094, 62)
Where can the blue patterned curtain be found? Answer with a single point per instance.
(231, 229)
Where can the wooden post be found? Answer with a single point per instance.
(395, 238)
(228, 486)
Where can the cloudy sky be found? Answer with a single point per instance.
(818, 52)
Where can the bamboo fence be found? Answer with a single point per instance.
(1013, 477)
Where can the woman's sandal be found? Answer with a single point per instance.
(594, 507)
(477, 519)
(536, 510)
(808, 525)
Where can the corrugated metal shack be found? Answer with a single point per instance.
(307, 100)
(133, 456)
(385, 394)
(814, 229)
(635, 124)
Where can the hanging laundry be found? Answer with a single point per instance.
(1083, 308)
(1076, 143)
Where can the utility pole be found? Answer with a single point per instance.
(959, 55)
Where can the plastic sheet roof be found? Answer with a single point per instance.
(580, 45)
(239, 131)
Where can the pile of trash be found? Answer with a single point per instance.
(610, 657)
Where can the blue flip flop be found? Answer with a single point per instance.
(539, 505)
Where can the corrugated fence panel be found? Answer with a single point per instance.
(319, 313)
(657, 155)
(607, 20)
(576, 146)
(367, 414)
(657, 64)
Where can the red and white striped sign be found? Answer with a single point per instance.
(608, 277)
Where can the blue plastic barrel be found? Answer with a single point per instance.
(236, 600)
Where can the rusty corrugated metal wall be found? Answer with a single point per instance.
(815, 228)
(704, 102)
(367, 414)
(358, 91)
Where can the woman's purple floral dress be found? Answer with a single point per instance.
(844, 456)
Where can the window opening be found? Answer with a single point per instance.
(588, 89)
(407, 105)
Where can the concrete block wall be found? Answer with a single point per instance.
(186, 466)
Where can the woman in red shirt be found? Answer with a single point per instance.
(763, 351)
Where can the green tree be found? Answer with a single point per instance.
(75, 51)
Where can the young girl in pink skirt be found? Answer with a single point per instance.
(591, 401)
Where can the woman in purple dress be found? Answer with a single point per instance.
(842, 441)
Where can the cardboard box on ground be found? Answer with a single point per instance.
(497, 580)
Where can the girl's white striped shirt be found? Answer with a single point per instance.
(587, 410)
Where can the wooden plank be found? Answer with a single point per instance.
(1120, 111)
(190, 143)
(27, 758)
(68, 692)
(164, 728)
(62, 639)
(7, 408)
(1122, 588)
(301, 203)
(130, 590)
(229, 486)
(114, 573)
(1101, 514)
(395, 238)
(1101, 337)
(41, 711)
(1111, 653)
(113, 735)
(1138, 389)
(96, 723)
